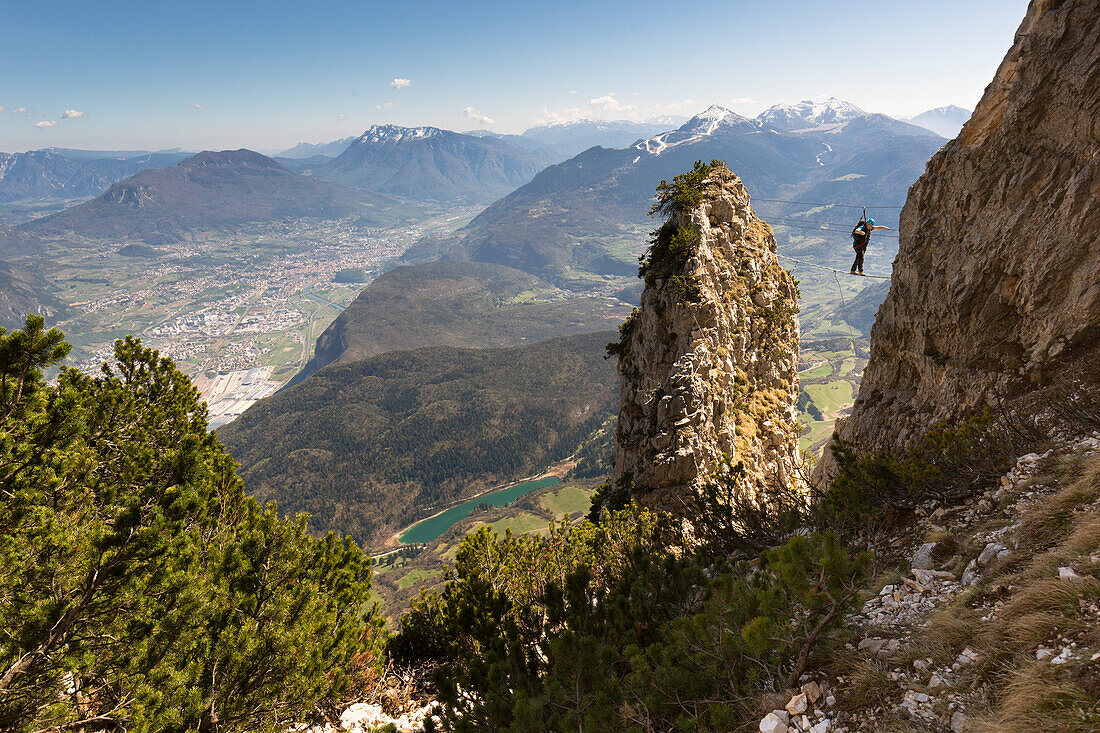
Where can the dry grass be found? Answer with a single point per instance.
(1047, 523)
(1038, 699)
(867, 683)
(1038, 606)
(947, 632)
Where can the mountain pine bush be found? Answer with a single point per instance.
(140, 588)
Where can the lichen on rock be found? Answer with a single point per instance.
(708, 365)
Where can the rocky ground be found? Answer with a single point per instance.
(995, 625)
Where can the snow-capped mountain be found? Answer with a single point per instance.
(396, 133)
(430, 164)
(809, 115)
(702, 125)
(945, 121)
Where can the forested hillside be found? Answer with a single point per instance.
(371, 445)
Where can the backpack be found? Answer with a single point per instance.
(860, 236)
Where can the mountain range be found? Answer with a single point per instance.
(587, 213)
(455, 303)
(209, 190)
(56, 174)
(431, 347)
(310, 150)
(570, 138)
(368, 446)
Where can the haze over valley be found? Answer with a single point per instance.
(234, 263)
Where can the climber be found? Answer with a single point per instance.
(861, 237)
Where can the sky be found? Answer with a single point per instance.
(128, 75)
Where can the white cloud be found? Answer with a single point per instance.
(476, 116)
(609, 107)
(340, 116)
(2, 108)
(194, 106)
(45, 123)
(400, 83)
(569, 114)
(608, 103)
(741, 100)
(387, 105)
(573, 91)
(19, 111)
(72, 114)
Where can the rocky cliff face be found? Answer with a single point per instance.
(997, 281)
(708, 363)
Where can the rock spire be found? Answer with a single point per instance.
(708, 365)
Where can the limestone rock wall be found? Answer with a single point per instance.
(717, 373)
(996, 285)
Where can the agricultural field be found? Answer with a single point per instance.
(829, 376)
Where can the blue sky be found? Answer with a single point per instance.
(265, 75)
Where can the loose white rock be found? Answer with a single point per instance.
(772, 723)
(797, 704)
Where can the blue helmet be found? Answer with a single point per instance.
(871, 222)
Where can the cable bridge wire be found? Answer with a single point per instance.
(837, 206)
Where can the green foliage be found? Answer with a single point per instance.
(669, 248)
(685, 192)
(730, 521)
(600, 626)
(139, 586)
(781, 312)
(948, 464)
(595, 456)
(351, 275)
(671, 245)
(806, 405)
(626, 328)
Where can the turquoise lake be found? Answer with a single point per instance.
(428, 529)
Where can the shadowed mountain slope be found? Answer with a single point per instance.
(461, 304)
(22, 292)
(49, 175)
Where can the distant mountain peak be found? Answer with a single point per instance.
(713, 117)
(945, 121)
(948, 109)
(809, 114)
(397, 133)
(242, 158)
(702, 125)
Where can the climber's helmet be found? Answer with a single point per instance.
(870, 222)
